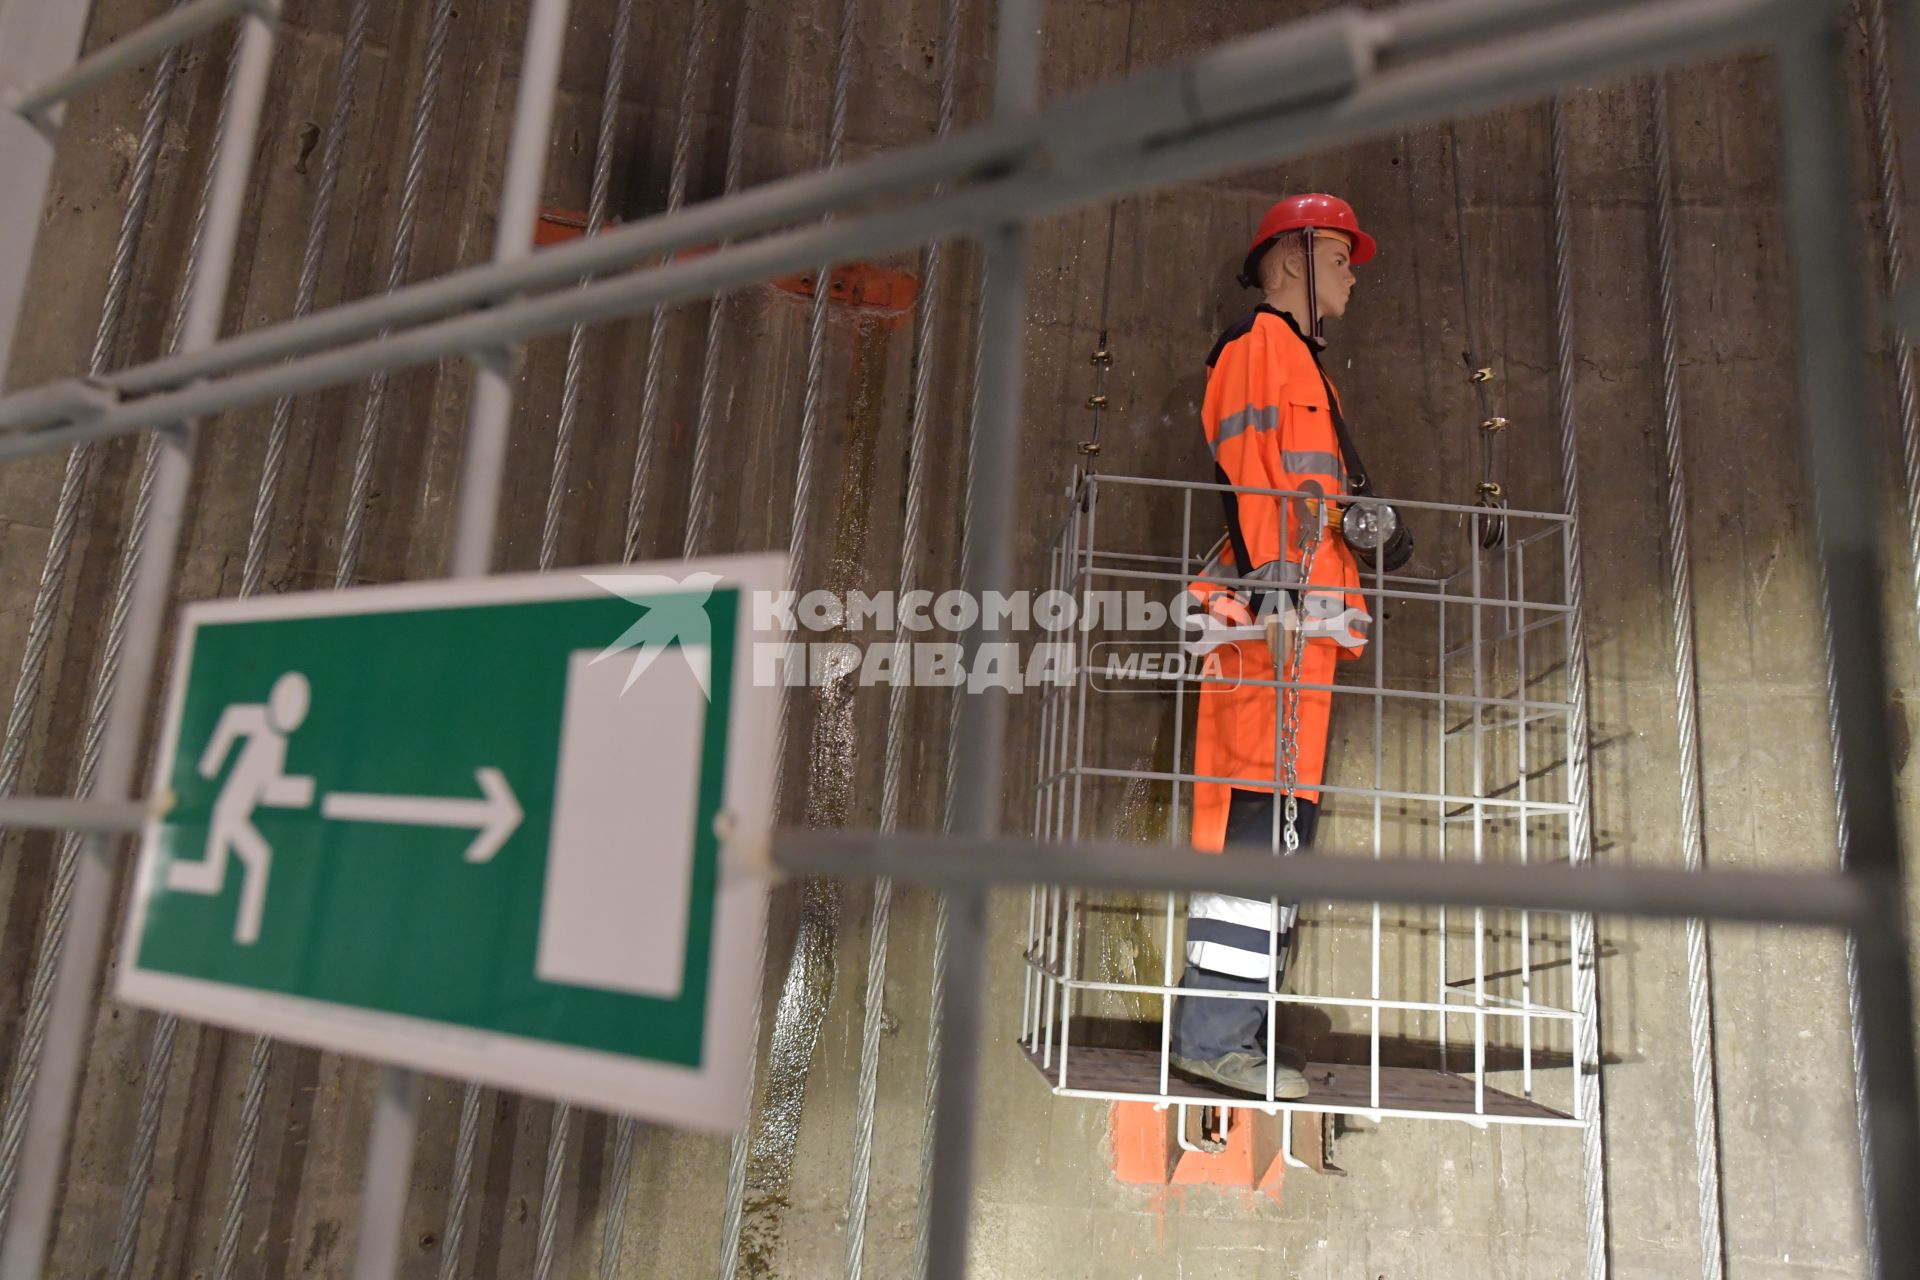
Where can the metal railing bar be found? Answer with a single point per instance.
(979, 724)
(1309, 1103)
(129, 51)
(63, 813)
(1228, 82)
(1484, 79)
(56, 1085)
(969, 861)
(1282, 997)
(1840, 452)
(1373, 593)
(390, 1144)
(1431, 797)
(1210, 486)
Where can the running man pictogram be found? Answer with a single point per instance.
(258, 779)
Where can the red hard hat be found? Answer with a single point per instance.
(1329, 213)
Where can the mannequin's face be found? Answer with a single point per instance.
(1333, 277)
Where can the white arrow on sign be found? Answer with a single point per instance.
(496, 817)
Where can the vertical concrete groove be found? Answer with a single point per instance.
(53, 572)
(809, 973)
(1693, 844)
(166, 1027)
(560, 1125)
(399, 265)
(159, 1067)
(942, 906)
(1892, 194)
(657, 331)
(33, 1032)
(894, 766)
(699, 482)
(613, 1229)
(1586, 996)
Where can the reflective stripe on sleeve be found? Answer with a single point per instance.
(1251, 419)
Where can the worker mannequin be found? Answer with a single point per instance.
(1272, 421)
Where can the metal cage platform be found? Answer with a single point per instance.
(1450, 740)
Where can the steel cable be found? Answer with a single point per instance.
(1842, 837)
(159, 1067)
(33, 1028)
(1587, 1096)
(399, 264)
(699, 481)
(798, 542)
(560, 1125)
(657, 331)
(894, 767)
(1706, 1102)
(597, 200)
(942, 906)
(625, 1127)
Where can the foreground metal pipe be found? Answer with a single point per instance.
(993, 455)
(1841, 456)
(971, 861)
(1015, 176)
(61, 813)
(389, 1168)
(62, 1063)
(129, 51)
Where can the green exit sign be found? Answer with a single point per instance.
(474, 827)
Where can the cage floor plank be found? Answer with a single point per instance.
(1332, 1084)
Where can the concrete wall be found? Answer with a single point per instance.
(1423, 1199)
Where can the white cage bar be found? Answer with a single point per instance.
(1480, 702)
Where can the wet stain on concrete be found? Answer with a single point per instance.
(808, 986)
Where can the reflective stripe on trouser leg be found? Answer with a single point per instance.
(1229, 942)
(1234, 936)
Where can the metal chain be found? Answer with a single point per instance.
(159, 1069)
(657, 331)
(33, 1029)
(1586, 996)
(560, 1123)
(399, 266)
(1706, 1103)
(1290, 696)
(893, 773)
(732, 1221)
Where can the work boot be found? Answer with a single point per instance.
(1247, 1073)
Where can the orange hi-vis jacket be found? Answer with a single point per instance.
(1269, 418)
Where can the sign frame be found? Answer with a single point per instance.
(709, 1096)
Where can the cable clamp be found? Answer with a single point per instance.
(1102, 356)
(1489, 489)
(1481, 375)
(1494, 424)
(1096, 402)
(1090, 447)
